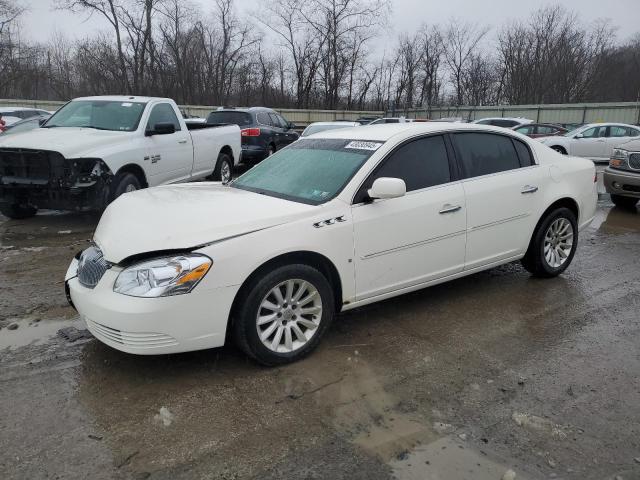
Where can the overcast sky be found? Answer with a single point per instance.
(42, 20)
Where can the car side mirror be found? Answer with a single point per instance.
(292, 126)
(385, 187)
(579, 135)
(42, 121)
(163, 128)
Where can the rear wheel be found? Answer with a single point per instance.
(18, 211)
(628, 203)
(224, 169)
(281, 317)
(124, 182)
(553, 245)
(271, 150)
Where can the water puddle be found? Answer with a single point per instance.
(449, 459)
(30, 332)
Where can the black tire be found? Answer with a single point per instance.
(534, 260)
(17, 211)
(245, 328)
(627, 203)
(559, 149)
(223, 159)
(271, 149)
(123, 183)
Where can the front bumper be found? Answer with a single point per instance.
(151, 326)
(621, 182)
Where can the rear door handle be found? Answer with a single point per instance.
(183, 141)
(529, 189)
(448, 208)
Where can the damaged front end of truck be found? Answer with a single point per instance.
(47, 180)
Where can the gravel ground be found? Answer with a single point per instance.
(466, 380)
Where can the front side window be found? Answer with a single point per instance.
(163, 113)
(546, 130)
(485, 153)
(595, 132)
(420, 163)
(311, 171)
(98, 114)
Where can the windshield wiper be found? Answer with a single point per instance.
(94, 127)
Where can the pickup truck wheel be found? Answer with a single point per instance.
(17, 211)
(224, 169)
(282, 315)
(620, 201)
(124, 183)
(553, 244)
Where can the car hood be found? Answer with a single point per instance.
(70, 142)
(182, 217)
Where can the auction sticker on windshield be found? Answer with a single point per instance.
(364, 145)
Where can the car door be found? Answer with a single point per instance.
(591, 143)
(410, 240)
(168, 158)
(501, 185)
(279, 137)
(290, 135)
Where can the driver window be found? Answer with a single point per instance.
(420, 163)
(162, 113)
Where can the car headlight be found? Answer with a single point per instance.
(619, 158)
(163, 277)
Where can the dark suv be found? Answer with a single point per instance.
(263, 130)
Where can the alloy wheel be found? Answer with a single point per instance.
(558, 242)
(289, 316)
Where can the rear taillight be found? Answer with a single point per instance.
(250, 132)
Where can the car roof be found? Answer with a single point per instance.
(245, 110)
(121, 98)
(336, 122)
(607, 124)
(384, 132)
(18, 109)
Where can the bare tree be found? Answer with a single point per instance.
(461, 41)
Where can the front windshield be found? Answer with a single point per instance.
(99, 114)
(309, 171)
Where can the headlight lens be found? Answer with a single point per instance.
(163, 277)
(619, 158)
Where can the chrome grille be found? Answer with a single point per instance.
(91, 267)
(634, 161)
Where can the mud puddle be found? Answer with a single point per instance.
(450, 459)
(33, 331)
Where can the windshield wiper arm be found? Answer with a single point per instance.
(94, 127)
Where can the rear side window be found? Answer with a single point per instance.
(524, 154)
(263, 118)
(528, 130)
(485, 153)
(163, 113)
(504, 123)
(420, 163)
(242, 119)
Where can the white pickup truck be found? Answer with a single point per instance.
(94, 149)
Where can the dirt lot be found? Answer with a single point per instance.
(469, 379)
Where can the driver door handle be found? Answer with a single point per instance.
(182, 141)
(529, 189)
(448, 208)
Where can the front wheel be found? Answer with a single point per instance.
(17, 211)
(124, 182)
(559, 149)
(553, 244)
(281, 317)
(620, 201)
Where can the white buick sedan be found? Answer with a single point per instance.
(333, 222)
